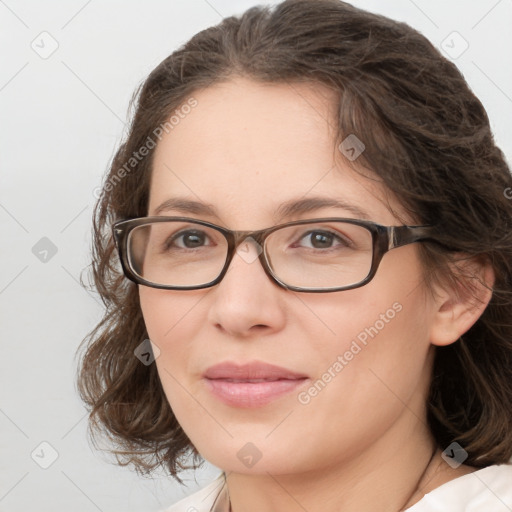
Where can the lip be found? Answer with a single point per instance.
(252, 384)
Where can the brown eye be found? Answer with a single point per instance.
(190, 239)
(321, 239)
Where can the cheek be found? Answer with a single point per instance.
(166, 312)
(378, 349)
(378, 363)
(391, 314)
(173, 320)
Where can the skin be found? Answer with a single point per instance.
(246, 148)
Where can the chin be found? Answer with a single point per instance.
(252, 457)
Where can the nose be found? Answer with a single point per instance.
(247, 301)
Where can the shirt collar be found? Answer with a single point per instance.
(222, 502)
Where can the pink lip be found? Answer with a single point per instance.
(251, 385)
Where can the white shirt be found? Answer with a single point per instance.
(485, 490)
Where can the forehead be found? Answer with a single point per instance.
(247, 147)
(241, 118)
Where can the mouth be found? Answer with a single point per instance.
(251, 385)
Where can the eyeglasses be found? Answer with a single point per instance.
(316, 255)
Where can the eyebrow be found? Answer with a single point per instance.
(287, 209)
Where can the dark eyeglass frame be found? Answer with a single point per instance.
(384, 238)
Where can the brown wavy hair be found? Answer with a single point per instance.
(427, 139)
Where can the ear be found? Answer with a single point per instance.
(458, 305)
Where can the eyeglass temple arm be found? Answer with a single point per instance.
(404, 235)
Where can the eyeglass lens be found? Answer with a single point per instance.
(314, 255)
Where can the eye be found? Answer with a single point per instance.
(189, 239)
(322, 240)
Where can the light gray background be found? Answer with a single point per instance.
(61, 119)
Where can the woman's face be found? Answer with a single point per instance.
(246, 149)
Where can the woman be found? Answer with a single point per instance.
(314, 231)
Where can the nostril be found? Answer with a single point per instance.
(259, 327)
